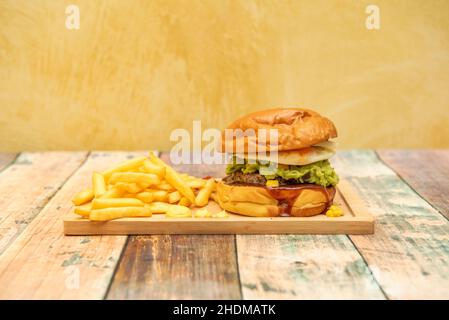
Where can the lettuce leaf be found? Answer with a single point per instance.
(320, 172)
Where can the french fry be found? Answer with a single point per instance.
(158, 207)
(221, 214)
(174, 196)
(174, 178)
(202, 213)
(202, 198)
(129, 195)
(118, 212)
(143, 185)
(84, 210)
(214, 196)
(196, 183)
(117, 202)
(133, 187)
(137, 177)
(175, 211)
(145, 196)
(184, 202)
(98, 184)
(165, 186)
(83, 197)
(159, 195)
(127, 165)
(112, 193)
(121, 186)
(185, 176)
(150, 167)
(140, 187)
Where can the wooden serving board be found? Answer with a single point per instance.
(356, 220)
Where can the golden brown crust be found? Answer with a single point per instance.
(297, 128)
(257, 201)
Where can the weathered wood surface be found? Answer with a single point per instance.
(27, 185)
(409, 252)
(407, 257)
(426, 171)
(303, 267)
(6, 159)
(42, 263)
(179, 266)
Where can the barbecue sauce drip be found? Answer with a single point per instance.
(286, 196)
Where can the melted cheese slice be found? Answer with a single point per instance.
(298, 157)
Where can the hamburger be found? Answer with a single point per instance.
(301, 183)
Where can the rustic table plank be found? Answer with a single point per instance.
(44, 264)
(179, 266)
(6, 159)
(27, 185)
(409, 252)
(303, 267)
(426, 171)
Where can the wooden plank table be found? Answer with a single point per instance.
(406, 258)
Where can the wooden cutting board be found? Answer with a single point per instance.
(356, 220)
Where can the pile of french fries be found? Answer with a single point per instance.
(144, 186)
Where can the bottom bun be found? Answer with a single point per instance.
(302, 200)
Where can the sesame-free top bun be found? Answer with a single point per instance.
(297, 128)
(256, 201)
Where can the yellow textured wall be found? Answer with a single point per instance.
(138, 69)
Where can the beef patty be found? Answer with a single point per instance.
(254, 179)
(245, 178)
